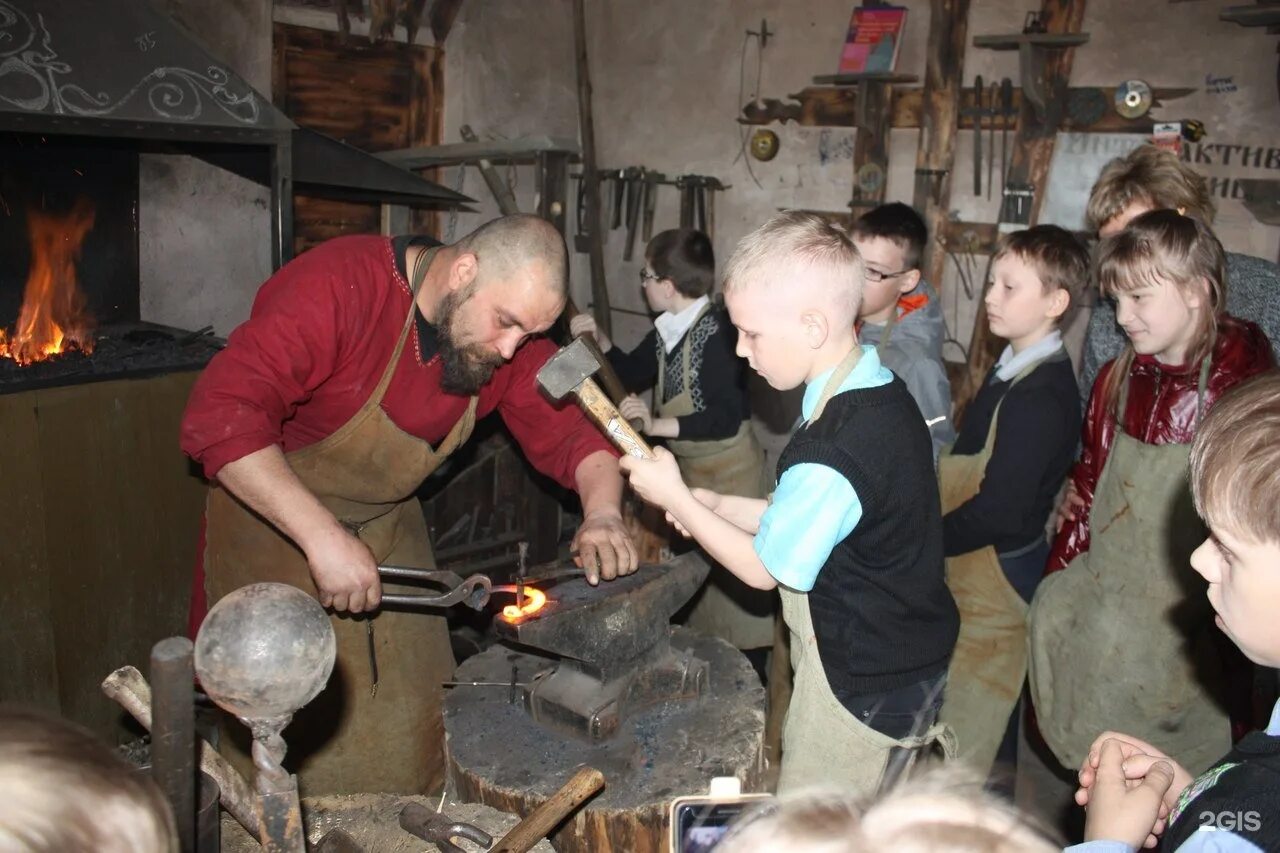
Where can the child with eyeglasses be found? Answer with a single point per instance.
(700, 408)
(900, 313)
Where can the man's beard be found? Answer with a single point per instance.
(467, 367)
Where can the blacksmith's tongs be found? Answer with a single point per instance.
(473, 592)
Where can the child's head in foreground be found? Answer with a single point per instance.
(64, 791)
(1037, 276)
(1235, 479)
(891, 239)
(793, 287)
(935, 813)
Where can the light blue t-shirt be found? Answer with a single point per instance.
(1207, 839)
(814, 507)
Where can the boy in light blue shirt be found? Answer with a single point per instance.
(853, 534)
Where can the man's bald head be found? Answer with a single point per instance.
(512, 246)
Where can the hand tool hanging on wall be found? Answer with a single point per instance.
(1007, 115)
(977, 135)
(651, 183)
(618, 197)
(636, 188)
(700, 203)
(993, 98)
(685, 186)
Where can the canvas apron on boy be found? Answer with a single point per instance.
(352, 738)
(1120, 639)
(989, 664)
(823, 745)
(725, 607)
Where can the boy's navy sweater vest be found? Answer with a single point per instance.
(882, 614)
(1239, 794)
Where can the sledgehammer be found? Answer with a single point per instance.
(570, 371)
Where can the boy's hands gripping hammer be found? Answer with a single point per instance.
(570, 371)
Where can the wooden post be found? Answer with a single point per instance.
(936, 152)
(599, 288)
(1029, 165)
(871, 145)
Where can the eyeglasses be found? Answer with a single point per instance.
(646, 276)
(876, 275)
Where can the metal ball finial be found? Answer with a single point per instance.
(264, 651)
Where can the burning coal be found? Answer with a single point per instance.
(54, 318)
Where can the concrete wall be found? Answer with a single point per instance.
(670, 77)
(205, 234)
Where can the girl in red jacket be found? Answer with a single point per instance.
(1121, 633)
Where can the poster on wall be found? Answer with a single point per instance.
(1078, 159)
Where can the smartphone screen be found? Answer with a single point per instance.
(700, 826)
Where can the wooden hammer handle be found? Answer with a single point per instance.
(602, 410)
(128, 688)
(547, 816)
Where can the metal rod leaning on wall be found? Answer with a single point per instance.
(599, 286)
(497, 186)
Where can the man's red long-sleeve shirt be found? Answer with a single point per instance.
(311, 353)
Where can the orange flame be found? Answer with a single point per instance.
(534, 599)
(53, 317)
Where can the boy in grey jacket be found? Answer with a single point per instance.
(900, 314)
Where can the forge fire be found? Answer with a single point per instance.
(54, 318)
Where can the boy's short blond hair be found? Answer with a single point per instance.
(943, 811)
(1059, 258)
(1235, 461)
(791, 244)
(64, 791)
(1152, 176)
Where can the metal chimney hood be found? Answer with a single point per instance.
(121, 68)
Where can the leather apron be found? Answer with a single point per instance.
(823, 744)
(353, 738)
(989, 664)
(725, 607)
(1122, 637)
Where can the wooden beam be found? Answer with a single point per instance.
(829, 106)
(939, 115)
(443, 14)
(1029, 161)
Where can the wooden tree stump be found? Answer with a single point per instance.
(498, 755)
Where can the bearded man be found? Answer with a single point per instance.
(365, 362)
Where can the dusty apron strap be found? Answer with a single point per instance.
(841, 373)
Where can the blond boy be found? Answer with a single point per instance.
(852, 536)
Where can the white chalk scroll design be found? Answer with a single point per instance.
(626, 443)
(30, 68)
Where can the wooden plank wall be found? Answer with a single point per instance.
(100, 529)
(376, 96)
